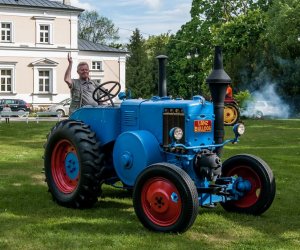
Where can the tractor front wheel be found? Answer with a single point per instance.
(165, 198)
(73, 164)
(231, 114)
(253, 169)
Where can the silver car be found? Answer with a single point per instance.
(261, 109)
(62, 107)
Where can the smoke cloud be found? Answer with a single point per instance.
(266, 103)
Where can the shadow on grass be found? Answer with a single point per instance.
(31, 206)
(32, 203)
(279, 225)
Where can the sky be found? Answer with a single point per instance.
(151, 17)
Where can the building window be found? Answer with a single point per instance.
(44, 78)
(6, 80)
(44, 81)
(44, 33)
(6, 32)
(96, 65)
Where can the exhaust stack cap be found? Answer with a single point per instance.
(218, 75)
(218, 81)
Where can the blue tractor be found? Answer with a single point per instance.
(166, 150)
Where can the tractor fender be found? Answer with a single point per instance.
(133, 152)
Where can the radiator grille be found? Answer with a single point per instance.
(129, 118)
(173, 117)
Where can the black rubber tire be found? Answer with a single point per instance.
(260, 170)
(90, 160)
(62, 113)
(259, 115)
(231, 114)
(187, 193)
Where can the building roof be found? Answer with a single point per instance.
(85, 45)
(45, 4)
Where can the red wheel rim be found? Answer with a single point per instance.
(249, 174)
(161, 201)
(65, 179)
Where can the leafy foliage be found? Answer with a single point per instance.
(187, 76)
(96, 28)
(213, 23)
(260, 41)
(155, 46)
(239, 39)
(242, 97)
(218, 12)
(283, 38)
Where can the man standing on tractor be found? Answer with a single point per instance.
(81, 89)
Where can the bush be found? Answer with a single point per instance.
(243, 97)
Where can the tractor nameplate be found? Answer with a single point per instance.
(202, 126)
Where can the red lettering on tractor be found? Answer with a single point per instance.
(202, 126)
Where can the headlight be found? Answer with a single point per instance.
(239, 129)
(176, 133)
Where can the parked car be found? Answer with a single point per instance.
(15, 104)
(62, 107)
(260, 109)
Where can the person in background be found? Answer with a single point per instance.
(229, 92)
(6, 108)
(82, 88)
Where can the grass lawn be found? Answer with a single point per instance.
(29, 219)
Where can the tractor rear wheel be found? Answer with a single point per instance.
(258, 173)
(165, 198)
(231, 114)
(73, 164)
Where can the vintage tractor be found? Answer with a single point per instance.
(231, 111)
(167, 151)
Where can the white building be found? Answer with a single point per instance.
(35, 39)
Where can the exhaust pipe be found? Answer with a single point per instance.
(162, 77)
(218, 81)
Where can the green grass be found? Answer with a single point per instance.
(29, 219)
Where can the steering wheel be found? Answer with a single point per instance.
(106, 91)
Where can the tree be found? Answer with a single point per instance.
(283, 28)
(263, 47)
(213, 22)
(284, 45)
(260, 41)
(138, 70)
(96, 28)
(242, 40)
(187, 76)
(155, 46)
(218, 12)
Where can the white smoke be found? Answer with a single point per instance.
(266, 103)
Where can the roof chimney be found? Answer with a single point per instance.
(67, 2)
